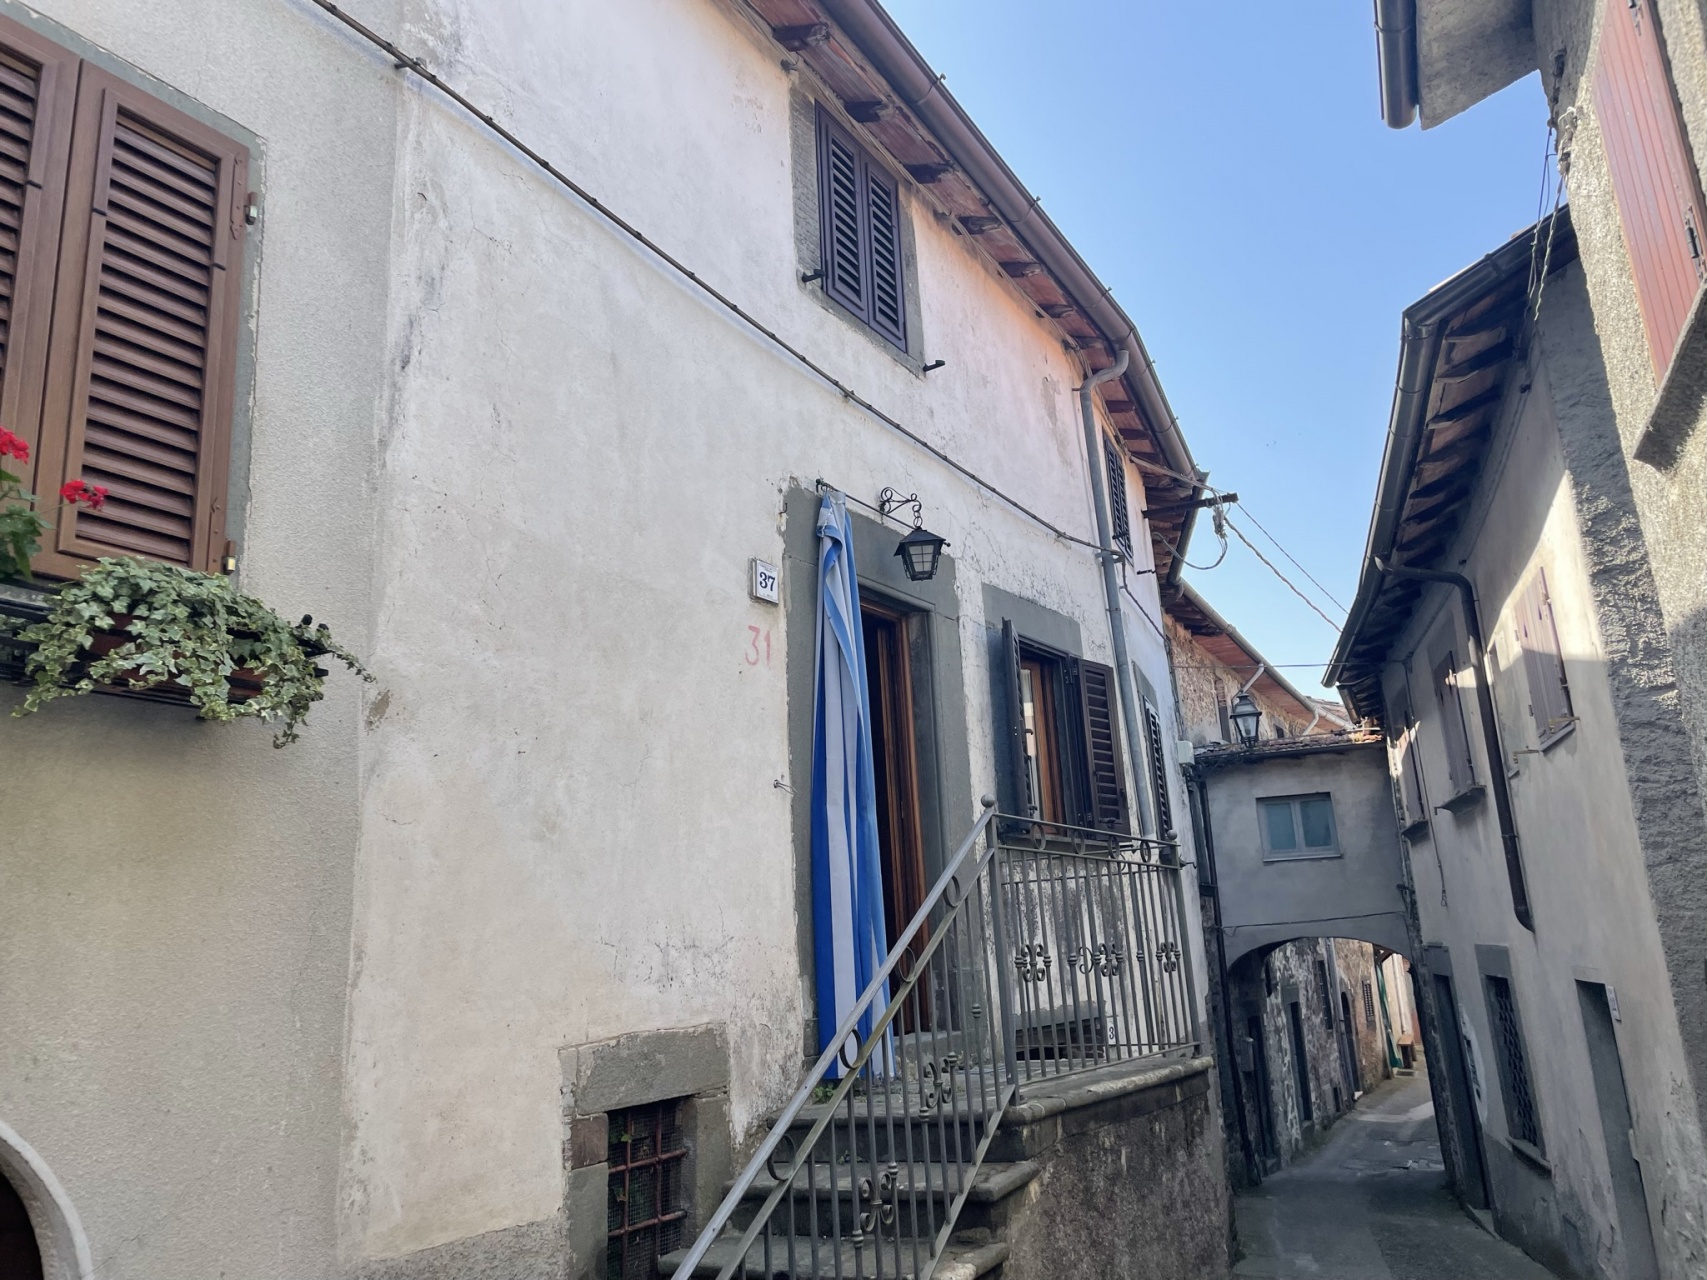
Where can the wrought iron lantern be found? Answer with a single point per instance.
(920, 550)
(1246, 719)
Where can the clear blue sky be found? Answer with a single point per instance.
(1232, 182)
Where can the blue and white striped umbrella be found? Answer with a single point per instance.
(847, 874)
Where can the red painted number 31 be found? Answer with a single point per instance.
(758, 647)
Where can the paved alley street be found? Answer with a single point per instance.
(1372, 1204)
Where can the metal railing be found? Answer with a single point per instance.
(1042, 950)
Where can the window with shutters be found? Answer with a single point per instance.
(1119, 514)
(1067, 765)
(121, 249)
(1543, 664)
(1654, 178)
(1402, 739)
(1158, 772)
(1454, 734)
(861, 259)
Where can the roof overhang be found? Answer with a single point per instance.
(1317, 744)
(856, 49)
(1441, 57)
(1459, 346)
(1222, 641)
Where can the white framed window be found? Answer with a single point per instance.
(1297, 827)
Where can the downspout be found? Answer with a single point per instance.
(1490, 729)
(1396, 51)
(1209, 878)
(1105, 541)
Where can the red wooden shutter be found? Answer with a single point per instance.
(38, 84)
(1107, 771)
(145, 328)
(1653, 176)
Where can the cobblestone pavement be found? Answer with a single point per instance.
(1371, 1204)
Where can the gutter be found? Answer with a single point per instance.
(1396, 51)
(1232, 633)
(875, 34)
(1419, 352)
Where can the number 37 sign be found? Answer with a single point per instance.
(764, 584)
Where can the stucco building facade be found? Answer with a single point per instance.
(356, 1007)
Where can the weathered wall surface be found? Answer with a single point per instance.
(1354, 964)
(1588, 824)
(1131, 1189)
(175, 896)
(1352, 895)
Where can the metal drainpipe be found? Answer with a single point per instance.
(1396, 50)
(1490, 730)
(1110, 582)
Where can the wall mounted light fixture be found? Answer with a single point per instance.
(920, 550)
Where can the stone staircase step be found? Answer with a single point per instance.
(958, 1262)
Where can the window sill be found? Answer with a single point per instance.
(1682, 394)
(1314, 855)
(1465, 800)
(1416, 829)
(1530, 1156)
(1556, 736)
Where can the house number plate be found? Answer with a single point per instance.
(764, 585)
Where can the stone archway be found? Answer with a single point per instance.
(62, 1247)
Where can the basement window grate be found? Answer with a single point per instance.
(648, 1209)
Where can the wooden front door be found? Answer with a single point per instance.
(894, 756)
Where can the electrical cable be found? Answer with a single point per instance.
(1289, 583)
(403, 61)
(1283, 551)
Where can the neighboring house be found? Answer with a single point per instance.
(1625, 83)
(1293, 1003)
(1505, 634)
(410, 998)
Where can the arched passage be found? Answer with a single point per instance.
(34, 1209)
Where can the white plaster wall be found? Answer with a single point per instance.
(571, 828)
(175, 896)
(1583, 860)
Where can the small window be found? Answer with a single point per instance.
(1119, 514)
(1522, 1121)
(1456, 735)
(1368, 1005)
(859, 230)
(1543, 664)
(646, 1192)
(1298, 827)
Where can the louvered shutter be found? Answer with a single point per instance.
(38, 85)
(1119, 514)
(1544, 665)
(1019, 777)
(145, 328)
(842, 198)
(888, 303)
(1456, 735)
(1653, 177)
(1106, 793)
(1159, 772)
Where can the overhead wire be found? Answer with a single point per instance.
(1291, 586)
(1283, 551)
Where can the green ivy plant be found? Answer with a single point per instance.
(185, 629)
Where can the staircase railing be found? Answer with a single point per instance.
(1041, 950)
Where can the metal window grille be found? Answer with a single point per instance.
(1120, 516)
(1368, 1005)
(1521, 1117)
(647, 1206)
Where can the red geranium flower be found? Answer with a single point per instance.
(10, 444)
(75, 491)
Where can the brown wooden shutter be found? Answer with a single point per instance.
(1452, 726)
(841, 200)
(1019, 777)
(1159, 772)
(1653, 176)
(38, 87)
(1119, 513)
(888, 301)
(1108, 808)
(145, 329)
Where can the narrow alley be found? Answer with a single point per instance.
(1372, 1204)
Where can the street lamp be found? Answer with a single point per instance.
(1246, 719)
